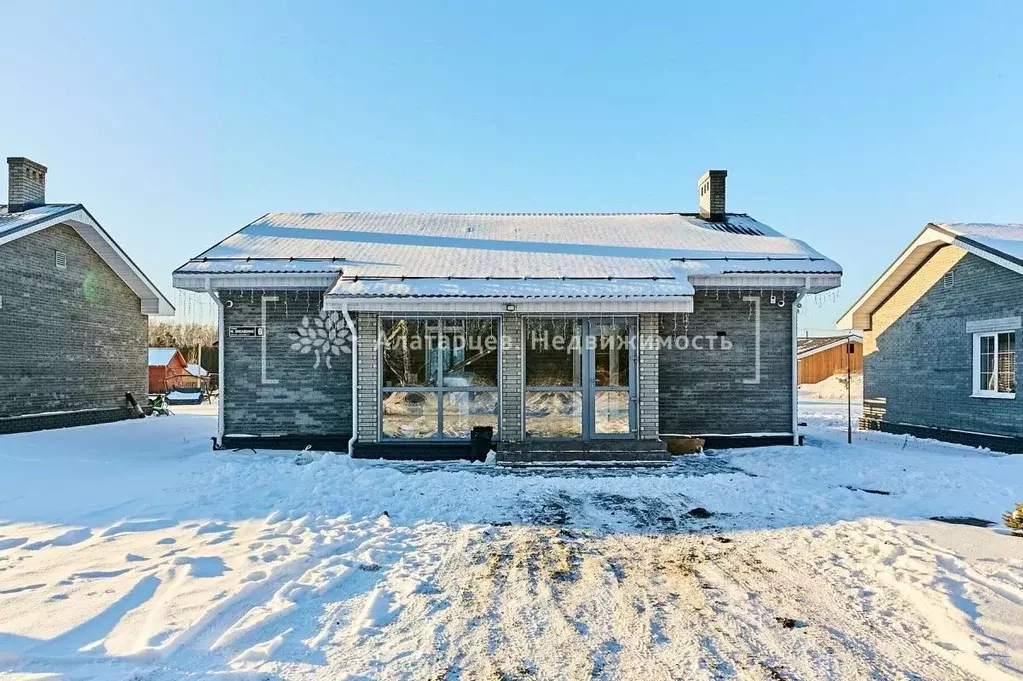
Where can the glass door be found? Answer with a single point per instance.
(612, 378)
(580, 378)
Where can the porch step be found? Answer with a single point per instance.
(642, 452)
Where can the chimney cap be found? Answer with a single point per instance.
(22, 161)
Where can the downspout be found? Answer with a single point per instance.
(220, 360)
(355, 376)
(795, 363)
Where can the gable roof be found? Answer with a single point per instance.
(197, 370)
(161, 357)
(811, 346)
(17, 225)
(1001, 244)
(407, 254)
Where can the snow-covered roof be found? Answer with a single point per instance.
(1004, 239)
(17, 225)
(1001, 244)
(811, 346)
(11, 223)
(197, 370)
(161, 357)
(501, 247)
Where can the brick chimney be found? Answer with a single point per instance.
(712, 195)
(26, 184)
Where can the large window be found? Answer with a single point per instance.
(554, 378)
(994, 364)
(438, 377)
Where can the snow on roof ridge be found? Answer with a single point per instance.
(500, 214)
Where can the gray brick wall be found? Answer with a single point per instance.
(369, 377)
(511, 377)
(702, 391)
(70, 339)
(295, 397)
(649, 377)
(918, 356)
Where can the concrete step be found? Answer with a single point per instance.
(647, 452)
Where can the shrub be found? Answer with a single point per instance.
(1014, 520)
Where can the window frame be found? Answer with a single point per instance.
(978, 391)
(440, 390)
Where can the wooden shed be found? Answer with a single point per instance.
(825, 356)
(168, 370)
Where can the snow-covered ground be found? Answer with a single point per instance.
(832, 388)
(132, 551)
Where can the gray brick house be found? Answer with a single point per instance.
(941, 337)
(571, 335)
(74, 312)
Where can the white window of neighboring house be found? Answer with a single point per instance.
(994, 364)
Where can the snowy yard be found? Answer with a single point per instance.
(132, 551)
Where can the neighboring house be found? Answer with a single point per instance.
(941, 337)
(168, 370)
(74, 312)
(573, 335)
(822, 357)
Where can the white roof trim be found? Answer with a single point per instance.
(153, 302)
(448, 304)
(925, 244)
(812, 283)
(211, 282)
(933, 237)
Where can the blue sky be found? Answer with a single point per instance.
(849, 125)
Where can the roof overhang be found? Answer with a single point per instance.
(682, 304)
(208, 281)
(838, 342)
(153, 303)
(810, 283)
(927, 243)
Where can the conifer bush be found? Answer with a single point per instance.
(1014, 520)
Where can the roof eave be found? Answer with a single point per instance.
(78, 217)
(929, 240)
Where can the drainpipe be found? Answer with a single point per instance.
(355, 376)
(220, 359)
(795, 363)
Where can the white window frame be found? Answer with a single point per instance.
(977, 390)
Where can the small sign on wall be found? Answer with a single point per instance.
(245, 332)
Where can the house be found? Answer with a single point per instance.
(168, 370)
(821, 357)
(941, 337)
(572, 335)
(74, 312)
